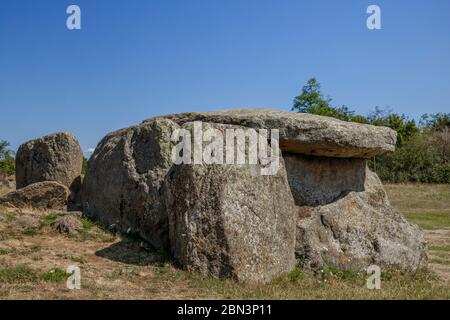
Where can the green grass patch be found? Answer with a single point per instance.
(50, 218)
(296, 275)
(56, 275)
(17, 274)
(24, 251)
(329, 285)
(22, 274)
(335, 272)
(92, 231)
(444, 262)
(95, 234)
(429, 221)
(87, 224)
(105, 236)
(445, 248)
(31, 232)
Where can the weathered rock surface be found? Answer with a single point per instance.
(56, 157)
(122, 186)
(76, 192)
(305, 133)
(228, 221)
(321, 180)
(359, 229)
(69, 224)
(323, 205)
(39, 196)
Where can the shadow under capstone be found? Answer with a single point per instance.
(317, 181)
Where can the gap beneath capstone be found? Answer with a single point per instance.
(316, 181)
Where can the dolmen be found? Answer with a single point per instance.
(202, 186)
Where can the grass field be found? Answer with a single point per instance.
(33, 263)
(429, 207)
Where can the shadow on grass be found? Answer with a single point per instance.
(131, 251)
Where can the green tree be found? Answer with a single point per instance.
(4, 151)
(405, 127)
(7, 162)
(360, 119)
(415, 161)
(7, 166)
(437, 126)
(435, 122)
(311, 100)
(84, 166)
(422, 152)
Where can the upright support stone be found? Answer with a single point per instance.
(228, 221)
(359, 228)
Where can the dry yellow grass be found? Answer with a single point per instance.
(4, 190)
(429, 207)
(410, 198)
(117, 268)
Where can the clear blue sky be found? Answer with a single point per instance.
(139, 58)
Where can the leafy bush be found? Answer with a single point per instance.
(84, 166)
(7, 162)
(4, 151)
(415, 161)
(422, 152)
(7, 166)
(311, 100)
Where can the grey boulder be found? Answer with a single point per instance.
(122, 186)
(230, 221)
(56, 157)
(45, 195)
(67, 224)
(359, 229)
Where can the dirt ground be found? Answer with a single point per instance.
(34, 258)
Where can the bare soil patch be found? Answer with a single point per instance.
(34, 258)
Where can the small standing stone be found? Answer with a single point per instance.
(56, 157)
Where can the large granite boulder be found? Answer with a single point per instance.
(305, 133)
(357, 228)
(228, 220)
(56, 157)
(122, 186)
(231, 221)
(47, 195)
